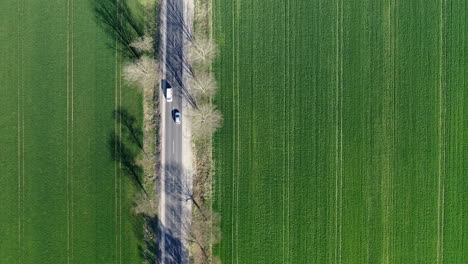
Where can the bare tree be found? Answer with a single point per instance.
(211, 226)
(146, 206)
(205, 120)
(204, 232)
(143, 44)
(202, 84)
(142, 72)
(202, 51)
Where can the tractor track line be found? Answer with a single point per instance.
(115, 151)
(20, 128)
(339, 130)
(286, 137)
(68, 132)
(441, 173)
(120, 161)
(22, 131)
(72, 123)
(238, 130)
(233, 248)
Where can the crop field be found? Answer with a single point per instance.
(345, 131)
(63, 198)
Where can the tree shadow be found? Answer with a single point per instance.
(132, 128)
(125, 150)
(154, 29)
(120, 152)
(148, 249)
(173, 236)
(151, 250)
(120, 23)
(178, 185)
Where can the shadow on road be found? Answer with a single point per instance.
(175, 231)
(175, 251)
(176, 62)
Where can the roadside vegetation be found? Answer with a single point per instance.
(205, 119)
(135, 152)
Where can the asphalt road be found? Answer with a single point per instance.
(174, 208)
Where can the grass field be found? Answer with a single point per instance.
(63, 199)
(345, 126)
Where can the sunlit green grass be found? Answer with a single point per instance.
(343, 131)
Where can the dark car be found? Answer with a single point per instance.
(177, 116)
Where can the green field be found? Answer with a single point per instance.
(63, 199)
(345, 131)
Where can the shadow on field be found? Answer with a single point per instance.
(126, 149)
(146, 229)
(133, 130)
(118, 21)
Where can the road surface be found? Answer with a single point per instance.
(174, 207)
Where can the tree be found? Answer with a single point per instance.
(204, 232)
(142, 72)
(143, 44)
(202, 51)
(203, 84)
(205, 120)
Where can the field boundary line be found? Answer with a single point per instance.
(212, 188)
(441, 172)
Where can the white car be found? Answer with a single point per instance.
(177, 116)
(169, 94)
